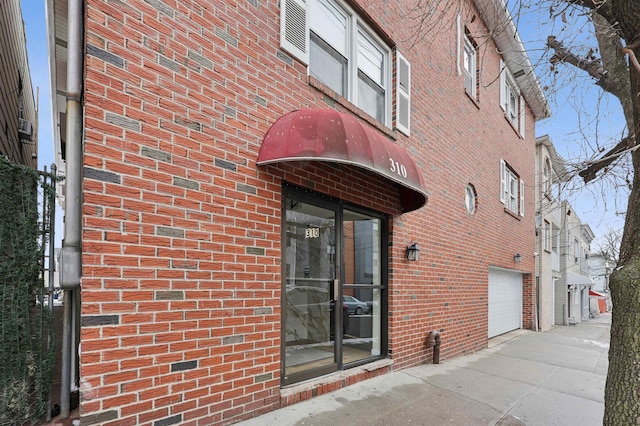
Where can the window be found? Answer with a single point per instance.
(343, 53)
(470, 198)
(576, 249)
(510, 100)
(470, 70)
(354, 65)
(546, 236)
(546, 179)
(372, 64)
(328, 49)
(555, 247)
(511, 189)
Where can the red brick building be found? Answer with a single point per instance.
(253, 175)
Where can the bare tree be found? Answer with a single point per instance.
(609, 246)
(612, 64)
(609, 62)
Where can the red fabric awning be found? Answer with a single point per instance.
(333, 136)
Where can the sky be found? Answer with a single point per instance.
(584, 119)
(36, 29)
(601, 212)
(35, 25)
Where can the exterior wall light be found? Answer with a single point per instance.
(413, 252)
(517, 258)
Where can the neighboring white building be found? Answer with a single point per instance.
(562, 246)
(600, 269)
(572, 289)
(550, 173)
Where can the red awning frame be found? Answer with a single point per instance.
(338, 137)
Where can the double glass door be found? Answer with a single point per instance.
(333, 288)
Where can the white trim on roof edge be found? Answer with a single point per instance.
(496, 14)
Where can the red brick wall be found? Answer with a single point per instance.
(181, 230)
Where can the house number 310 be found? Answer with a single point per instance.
(398, 168)
(312, 232)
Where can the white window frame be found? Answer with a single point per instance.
(356, 29)
(470, 83)
(511, 189)
(546, 236)
(509, 91)
(546, 177)
(298, 47)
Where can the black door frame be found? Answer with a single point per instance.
(290, 191)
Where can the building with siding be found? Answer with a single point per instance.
(550, 175)
(572, 289)
(252, 173)
(18, 110)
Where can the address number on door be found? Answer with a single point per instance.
(312, 232)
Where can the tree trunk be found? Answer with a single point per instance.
(622, 392)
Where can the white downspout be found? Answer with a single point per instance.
(71, 253)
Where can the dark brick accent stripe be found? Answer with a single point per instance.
(162, 7)
(166, 231)
(226, 37)
(101, 175)
(246, 188)
(182, 366)
(185, 183)
(95, 320)
(169, 420)
(230, 340)
(99, 418)
(105, 56)
(225, 164)
(155, 154)
(170, 295)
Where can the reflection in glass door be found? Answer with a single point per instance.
(334, 300)
(310, 290)
(362, 286)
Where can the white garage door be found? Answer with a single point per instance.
(505, 301)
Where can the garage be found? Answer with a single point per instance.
(505, 301)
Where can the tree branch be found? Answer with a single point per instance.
(601, 7)
(593, 67)
(628, 49)
(611, 73)
(609, 157)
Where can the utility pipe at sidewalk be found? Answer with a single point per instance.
(71, 253)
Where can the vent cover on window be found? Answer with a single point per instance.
(294, 29)
(403, 94)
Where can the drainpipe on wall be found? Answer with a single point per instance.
(433, 341)
(71, 253)
(538, 282)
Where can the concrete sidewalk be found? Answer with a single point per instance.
(524, 378)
